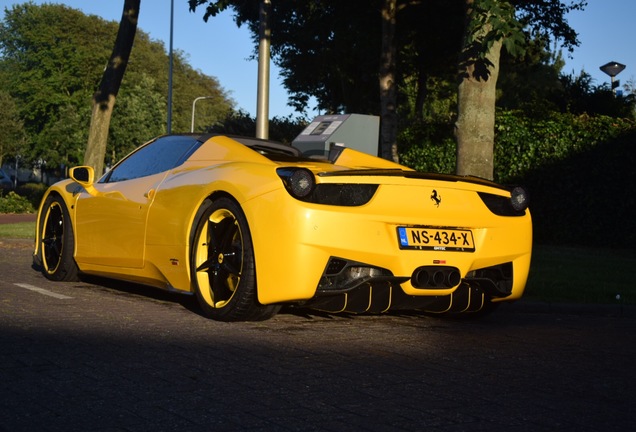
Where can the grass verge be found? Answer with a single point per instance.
(557, 273)
(582, 275)
(18, 230)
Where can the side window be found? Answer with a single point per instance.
(160, 155)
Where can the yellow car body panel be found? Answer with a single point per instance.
(314, 233)
(142, 229)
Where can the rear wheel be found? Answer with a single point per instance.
(222, 265)
(57, 241)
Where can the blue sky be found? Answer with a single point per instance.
(220, 49)
(607, 33)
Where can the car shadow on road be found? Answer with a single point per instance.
(189, 302)
(119, 287)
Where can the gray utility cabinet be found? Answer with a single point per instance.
(356, 131)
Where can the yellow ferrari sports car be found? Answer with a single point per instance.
(249, 225)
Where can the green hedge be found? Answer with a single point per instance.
(523, 144)
(578, 169)
(587, 198)
(428, 147)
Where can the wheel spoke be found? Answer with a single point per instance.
(231, 267)
(206, 265)
(219, 288)
(52, 237)
(221, 263)
(55, 250)
(225, 230)
(212, 237)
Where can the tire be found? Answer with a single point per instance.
(57, 242)
(222, 265)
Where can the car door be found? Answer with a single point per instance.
(111, 223)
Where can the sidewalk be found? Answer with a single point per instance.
(9, 218)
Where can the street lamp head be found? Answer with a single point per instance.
(612, 68)
(194, 102)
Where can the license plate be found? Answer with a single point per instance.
(441, 239)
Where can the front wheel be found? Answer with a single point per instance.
(222, 265)
(57, 242)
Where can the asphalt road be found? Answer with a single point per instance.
(114, 357)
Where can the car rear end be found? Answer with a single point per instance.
(379, 239)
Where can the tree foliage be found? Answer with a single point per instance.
(332, 51)
(281, 129)
(12, 135)
(316, 45)
(493, 25)
(51, 60)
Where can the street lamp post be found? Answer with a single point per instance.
(170, 67)
(262, 96)
(612, 69)
(194, 107)
(15, 180)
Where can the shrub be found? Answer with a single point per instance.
(33, 192)
(14, 203)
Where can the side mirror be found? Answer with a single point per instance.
(84, 175)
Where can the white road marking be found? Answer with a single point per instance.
(42, 291)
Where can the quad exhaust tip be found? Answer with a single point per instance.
(435, 277)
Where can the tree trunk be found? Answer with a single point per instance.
(104, 98)
(388, 91)
(475, 126)
(422, 90)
